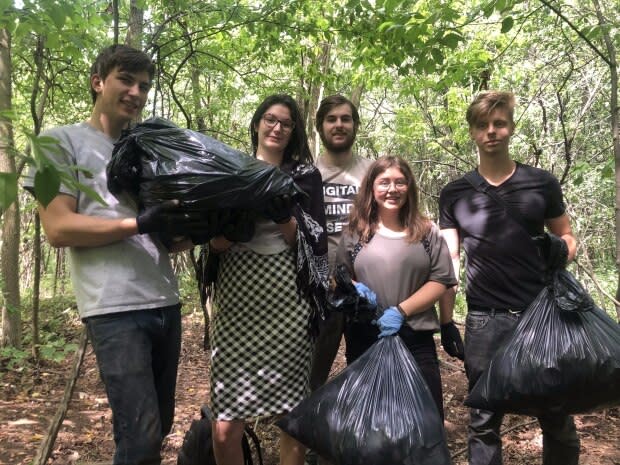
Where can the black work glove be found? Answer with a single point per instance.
(451, 340)
(206, 228)
(240, 227)
(158, 218)
(554, 251)
(279, 209)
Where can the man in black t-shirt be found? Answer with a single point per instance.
(504, 269)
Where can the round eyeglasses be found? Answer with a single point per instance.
(271, 122)
(383, 185)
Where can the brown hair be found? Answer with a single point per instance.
(364, 216)
(330, 102)
(486, 102)
(126, 58)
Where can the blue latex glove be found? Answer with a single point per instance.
(366, 292)
(390, 322)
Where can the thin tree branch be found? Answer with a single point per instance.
(577, 31)
(596, 283)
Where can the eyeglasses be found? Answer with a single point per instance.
(271, 122)
(384, 185)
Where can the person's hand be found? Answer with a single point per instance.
(390, 322)
(240, 227)
(206, 228)
(451, 340)
(279, 209)
(157, 218)
(219, 244)
(366, 292)
(554, 251)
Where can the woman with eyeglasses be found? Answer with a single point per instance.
(398, 258)
(269, 293)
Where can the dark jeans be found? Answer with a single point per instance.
(421, 344)
(486, 331)
(137, 354)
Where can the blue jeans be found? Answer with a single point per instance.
(137, 354)
(486, 331)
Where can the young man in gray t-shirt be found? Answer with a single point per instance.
(126, 291)
(337, 122)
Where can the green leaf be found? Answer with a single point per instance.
(8, 189)
(58, 16)
(507, 24)
(385, 25)
(437, 56)
(488, 9)
(90, 193)
(578, 180)
(607, 171)
(451, 40)
(41, 145)
(46, 184)
(5, 5)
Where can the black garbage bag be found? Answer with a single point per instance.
(157, 161)
(564, 357)
(378, 410)
(343, 297)
(197, 448)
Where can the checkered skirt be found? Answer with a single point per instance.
(260, 346)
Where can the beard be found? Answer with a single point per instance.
(338, 147)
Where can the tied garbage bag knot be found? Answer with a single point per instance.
(342, 296)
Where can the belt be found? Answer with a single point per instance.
(493, 311)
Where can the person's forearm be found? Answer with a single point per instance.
(423, 298)
(571, 243)
(289, 231)
(77, 230)
(446, 305)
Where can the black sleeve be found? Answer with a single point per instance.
(555, 200)
(446, 213)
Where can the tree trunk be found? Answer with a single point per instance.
(9, 250)
(36, 285)
(134, 29)
(315, 94)
(615, 127)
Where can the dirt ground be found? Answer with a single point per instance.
(29, 399)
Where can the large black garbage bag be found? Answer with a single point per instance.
(343, 297)
(378, 410)
(563, 357)
(157, 161)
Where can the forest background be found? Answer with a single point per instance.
(411, 66)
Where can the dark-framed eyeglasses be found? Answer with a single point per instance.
(271, 122)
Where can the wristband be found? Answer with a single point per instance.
(402, 312)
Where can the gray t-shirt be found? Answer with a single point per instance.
(395, 269)
(340, 186)
(132, 274)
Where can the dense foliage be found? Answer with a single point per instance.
(413, 66)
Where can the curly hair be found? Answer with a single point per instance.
(364, 216)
